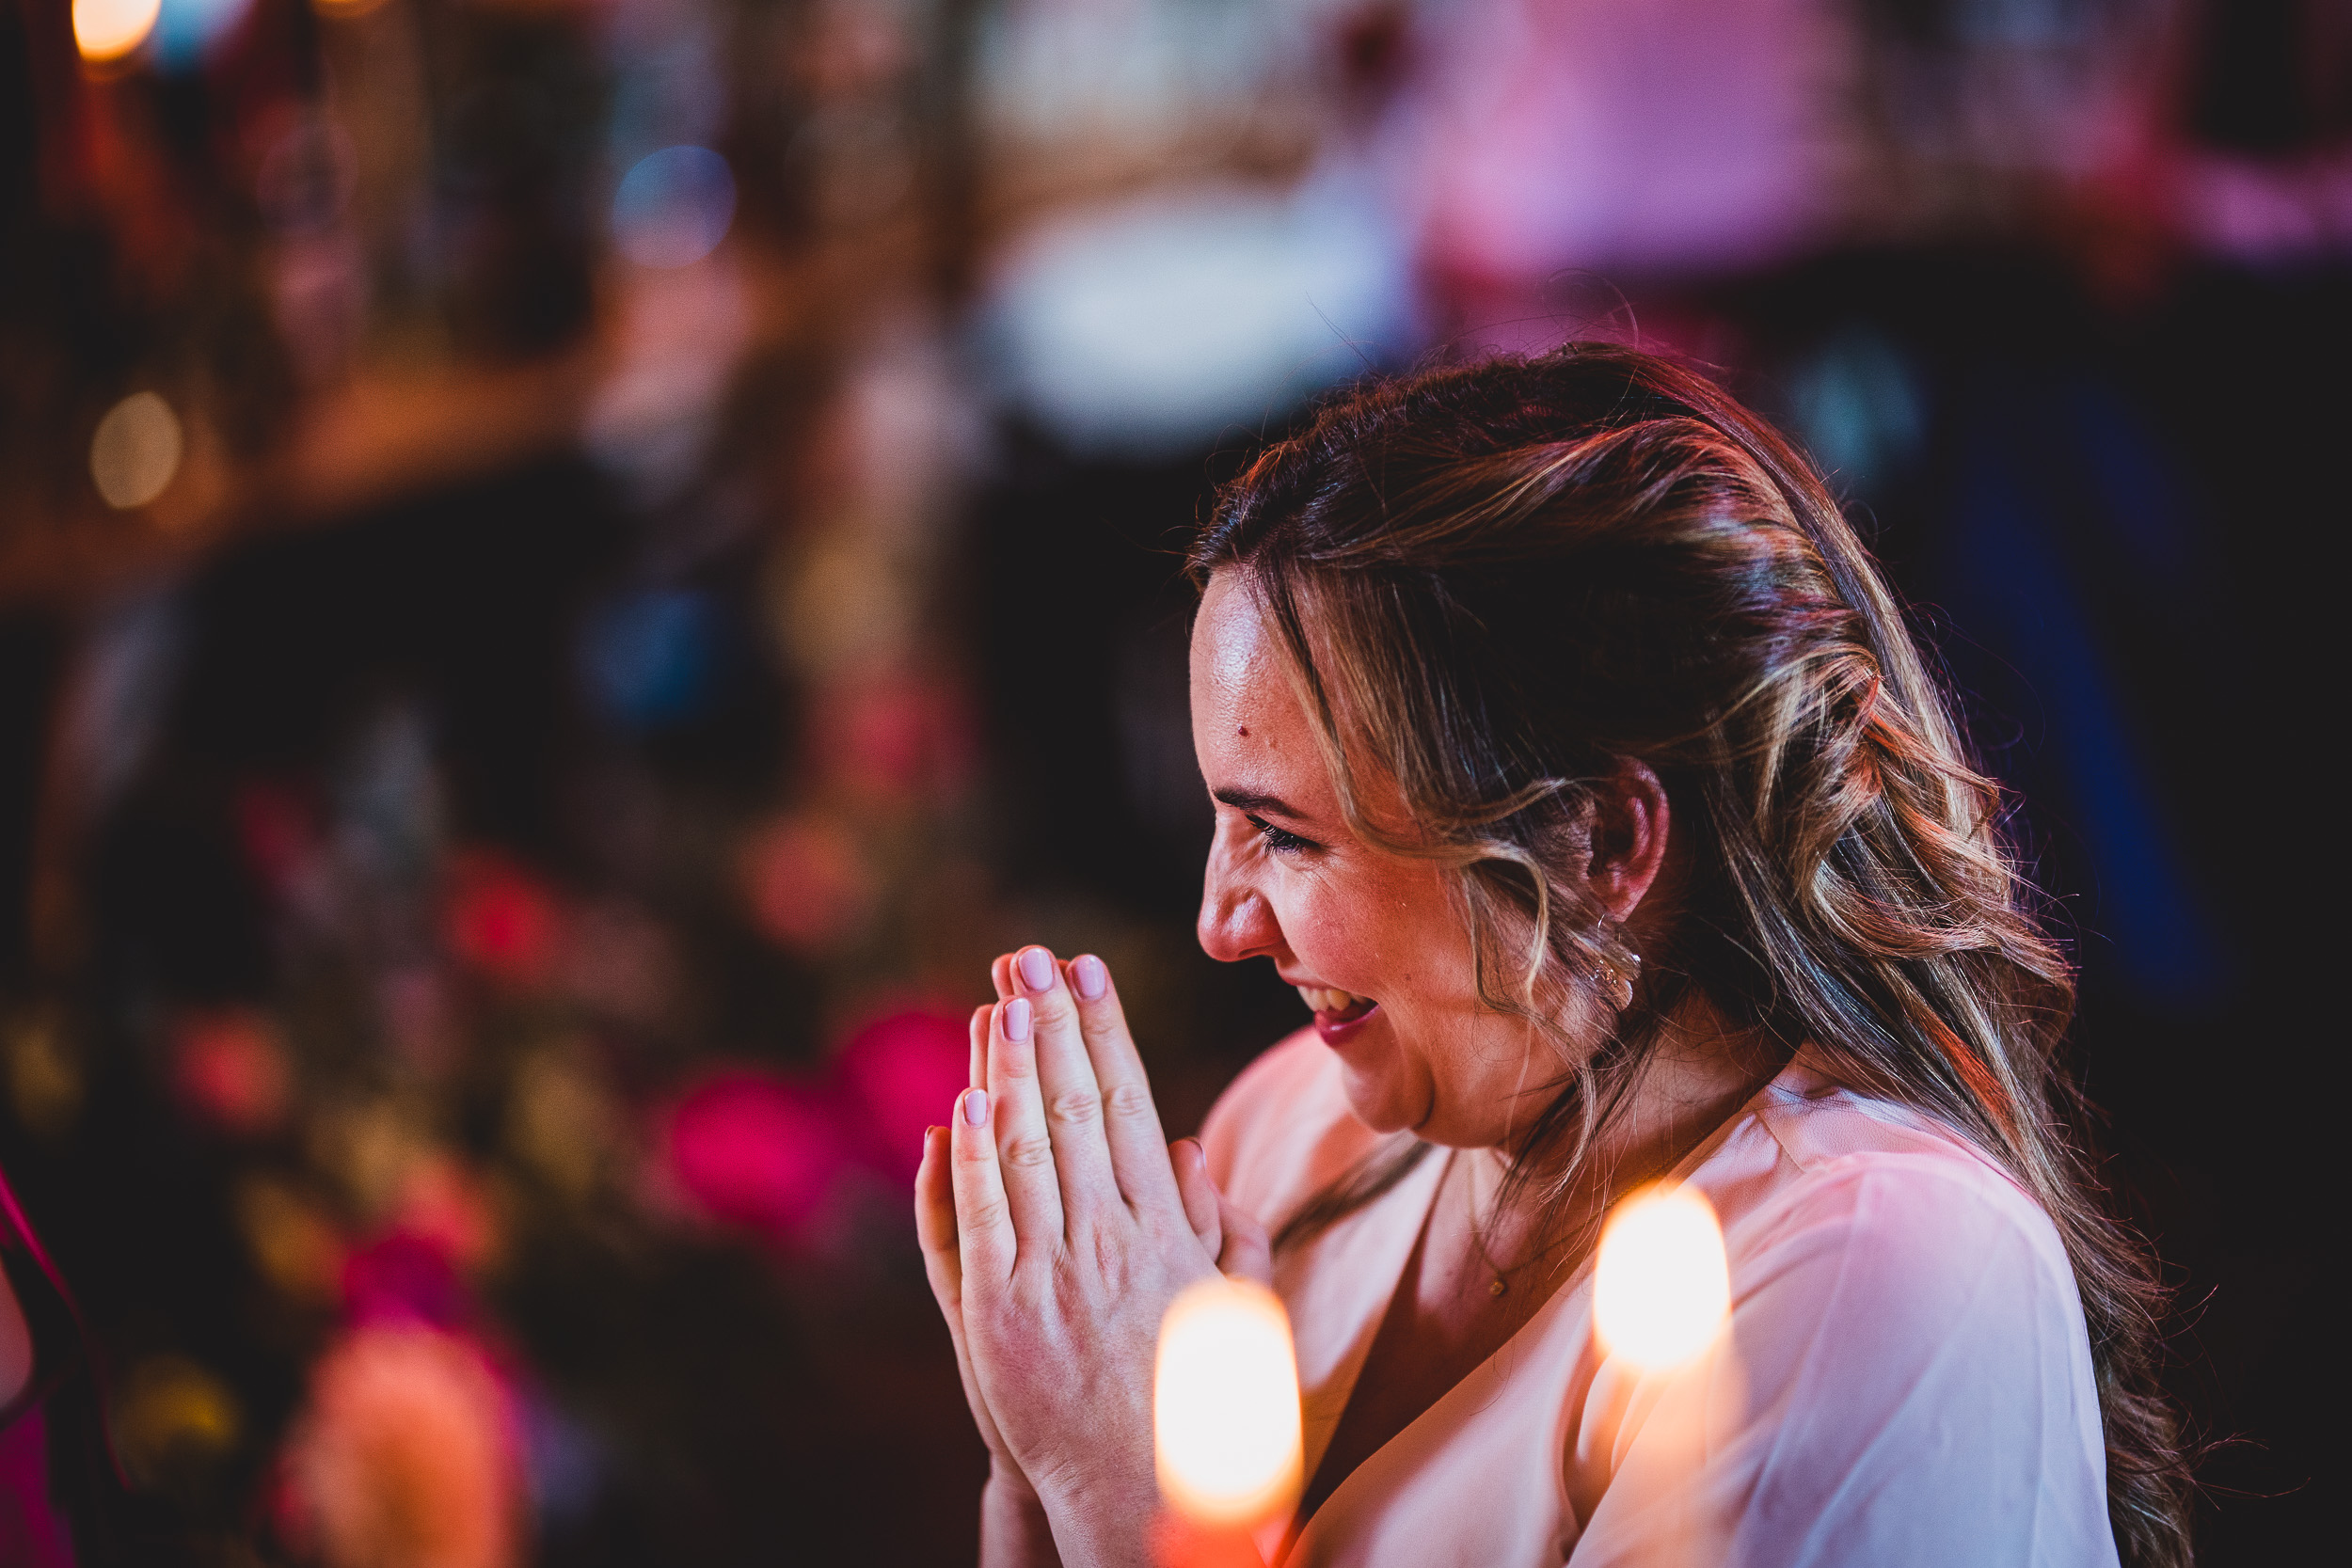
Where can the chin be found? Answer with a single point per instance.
(1381, 1101)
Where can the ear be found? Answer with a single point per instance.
(1631, 825)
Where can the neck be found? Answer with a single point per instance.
(1693, 1077)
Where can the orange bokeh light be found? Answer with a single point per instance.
(109, 29)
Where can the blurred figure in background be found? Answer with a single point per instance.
(514, 754)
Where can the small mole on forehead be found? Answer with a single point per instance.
(1241, 729)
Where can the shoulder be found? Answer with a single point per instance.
(1282, 1129)
(1902, 1311)
(1897, 1203)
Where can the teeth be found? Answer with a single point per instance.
(1323, 999)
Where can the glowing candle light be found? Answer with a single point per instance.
(1224, 1405)
(109, 29)
(1661, 1289)
(136, 452)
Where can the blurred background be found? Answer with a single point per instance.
(572, 569)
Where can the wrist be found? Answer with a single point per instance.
(1009, 1487)
(1015, 1530)
(1104, 1521)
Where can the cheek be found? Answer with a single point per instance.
(1316, 926)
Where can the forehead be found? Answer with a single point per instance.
(1247, 725)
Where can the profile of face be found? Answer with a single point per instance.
(1377, 943)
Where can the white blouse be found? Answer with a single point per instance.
(1907, 1380)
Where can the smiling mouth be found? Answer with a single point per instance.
(1332, 1007)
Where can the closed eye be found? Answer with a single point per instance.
(1280, 840)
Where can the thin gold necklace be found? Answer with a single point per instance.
(1500, 1281)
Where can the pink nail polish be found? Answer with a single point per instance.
(1090, 976)
(1017, 1019)
(1037, 968)
(975, 1107)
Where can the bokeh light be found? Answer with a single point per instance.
(109, 29)
(407, 1437)
(902, 1070)
(501, 919)
(1225, 1404)
(187, 30)
(137, 448)
(755, 1150)
(173, 1420)
(1661, 1291)
(673, 207)
(231, 1071)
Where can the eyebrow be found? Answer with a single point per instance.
(1249, 800)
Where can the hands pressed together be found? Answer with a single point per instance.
(1056, 1226)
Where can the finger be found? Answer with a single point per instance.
(1024, 1148)
(1000, 975)
(985, 1240)
(1197, 1191)
(935, 1227)
(1246, 1254)
(979, 1048)
(943, 1262)
(1074, 1101)
(1131, 1123)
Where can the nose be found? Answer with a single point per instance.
(1236, 922)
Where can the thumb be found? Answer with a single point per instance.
(1197, 1189)
(1244, 1255)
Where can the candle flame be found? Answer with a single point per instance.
(1661, 1289)
(1225, 1404)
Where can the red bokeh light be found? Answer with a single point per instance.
(276, 830)
(806, 883)
(231, 1071)
(502, 920)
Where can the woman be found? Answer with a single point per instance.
(1572, 759)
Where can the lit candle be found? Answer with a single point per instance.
(1661, 1287)
(1225, 1419)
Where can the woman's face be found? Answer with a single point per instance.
(1376, 943)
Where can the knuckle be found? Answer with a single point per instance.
(1076, 1107)
(1028, 1151)
(985, 1214)
(1128, 1101)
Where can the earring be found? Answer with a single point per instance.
(1615, 984)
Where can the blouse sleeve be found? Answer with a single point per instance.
(1907, 1380)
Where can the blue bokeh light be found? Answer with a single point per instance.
(673, 207)
(650, 657)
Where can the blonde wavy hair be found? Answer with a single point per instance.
(1496, 579)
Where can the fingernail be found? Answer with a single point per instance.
(1090, 976)
(1037, 969)
(1017, 1019)
(975, 1107)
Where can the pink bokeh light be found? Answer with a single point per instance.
(905, 1071)
(758, 1150)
